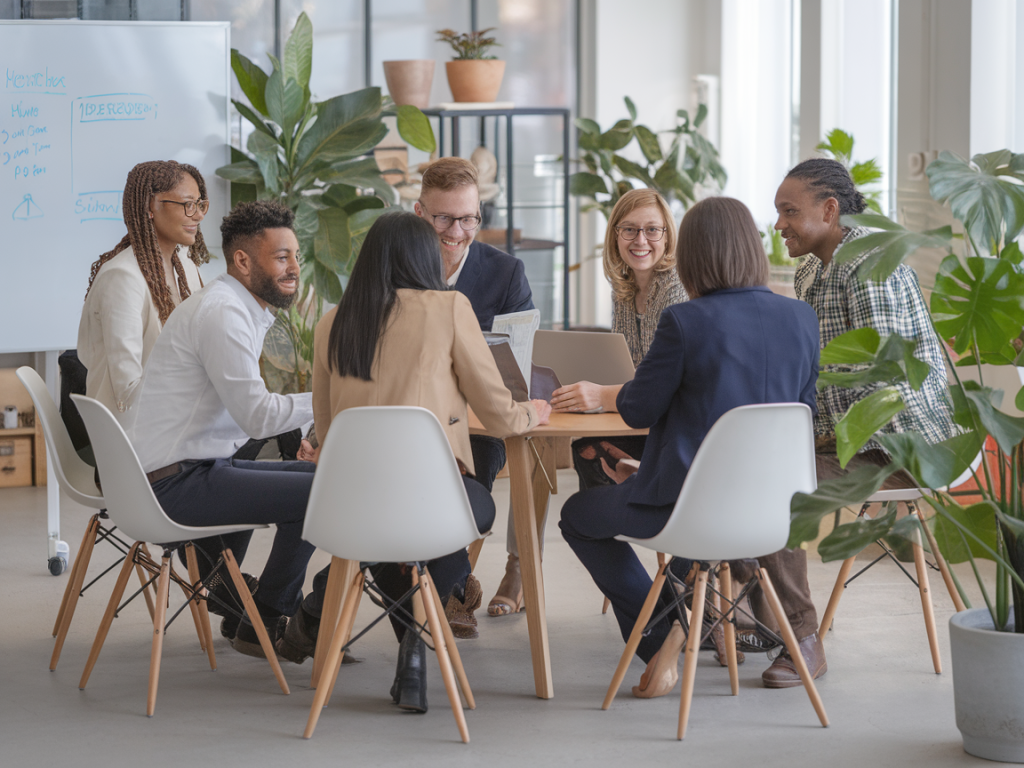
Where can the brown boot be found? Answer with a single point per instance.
(460, 612)
(782, 673)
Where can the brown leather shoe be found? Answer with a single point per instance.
(460, 612)
(782, 673)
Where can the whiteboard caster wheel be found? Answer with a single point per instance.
(57, 565)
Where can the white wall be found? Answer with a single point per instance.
(996, 77)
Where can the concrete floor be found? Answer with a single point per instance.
(886, 704)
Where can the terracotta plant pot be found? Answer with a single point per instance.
(475, 79)
(409, 81)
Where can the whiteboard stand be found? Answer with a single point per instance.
(58, 554)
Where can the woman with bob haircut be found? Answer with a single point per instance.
(733, 343)
(400, 337)
(640, 264)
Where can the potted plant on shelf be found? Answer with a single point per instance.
(688, 171)
(473, 76)
(409, 81)
(977, 306)
(866, 175)
(312, 156)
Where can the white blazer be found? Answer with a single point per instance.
(120, 323)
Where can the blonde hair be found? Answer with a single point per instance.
(619, 274)
(448, 173)
(722, 248)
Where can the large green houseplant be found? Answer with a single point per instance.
(691, 160)
(977, 307)
(315, 157)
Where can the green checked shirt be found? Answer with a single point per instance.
(843, 302)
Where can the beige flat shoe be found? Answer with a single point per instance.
(662, 671)
(509, 597)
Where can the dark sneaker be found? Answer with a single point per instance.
(754, 641)
(298, 642)
(246, 641)
(221, 592)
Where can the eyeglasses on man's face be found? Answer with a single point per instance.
(443, 221)
(191, 206)
(653, 234)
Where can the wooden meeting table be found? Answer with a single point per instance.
(531, 468)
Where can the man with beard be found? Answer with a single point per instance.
(201, 397)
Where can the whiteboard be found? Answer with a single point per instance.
(81, 103)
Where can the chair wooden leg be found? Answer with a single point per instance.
(192, 563)
(473, 550)
(836, 596)
(637, 633)
(333, 654)
(162, 595)
(192, 607)
(255, 618)
(691, 649)
(453, 652)
(345, 627)
(926, 603)
(142, 580)
(74, 589)
(725, 576)
(84, 554)
(605, 606)
(954, 593)
(792, 645)
(339, 577)
(108, 616)
(424, 597)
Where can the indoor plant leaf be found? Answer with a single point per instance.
(414, 128)
(864, 419)
(984, 404)
(649, 143)
(847, 540)
(887, 249)
(588, 126)
(298, 52)
(332, 244)
(249, 114)
(243, 171)
(630, 107)
(979, 298)
(851, 489)
(873, 359)
(251, 79)
(979, 518)
(326, 283)
(586, 184)
(285, 102)
(615, 139)
(345, 126)
(932, 465)
(360, 172)
(265, 149)
(633, 170)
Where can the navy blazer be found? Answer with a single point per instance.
(739, 346)
(494, 282)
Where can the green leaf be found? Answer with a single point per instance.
(1019, 399)
(266, 151)
(586, 184)
(671, 182)
(702, 113)
(414, 128)
(983, 298)
(249, 114)
(982, 194)
(839, 144)
(631, 108)
(615, 139)
(865, 173)
(241, 172)
(361, 172)
(589, 142)
(285, 102)
(346, 126)
(887, 249)
(856, 346)
(649, 143)
(933, 466)
(332, 243)
(588, 126)
(298, 52)
(851, 489)
(864, 419)
(251, 79)
(983, 405)
(633, 170)
(892, 362)
(847, 540)
(979, 518)
(326, 283)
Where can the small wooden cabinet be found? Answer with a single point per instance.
(22, 450)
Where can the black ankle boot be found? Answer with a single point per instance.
(409, 690)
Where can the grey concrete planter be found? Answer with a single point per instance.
(988, 686)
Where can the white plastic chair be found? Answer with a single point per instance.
(76, 479)
(132, 504)
(360, 513)
(734, 505)
(908, 497)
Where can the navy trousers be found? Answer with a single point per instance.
(233, 491)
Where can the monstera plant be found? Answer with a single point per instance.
(977, 307)
(316, 158)
(691, 160)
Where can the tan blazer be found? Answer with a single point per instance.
(431, 354)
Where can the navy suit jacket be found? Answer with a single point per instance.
(739, 346)
(494, 282)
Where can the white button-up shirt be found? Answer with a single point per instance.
(201, 395)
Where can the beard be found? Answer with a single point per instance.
(265, 287)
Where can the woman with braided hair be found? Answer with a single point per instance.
(135, 287)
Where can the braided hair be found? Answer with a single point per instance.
(144, 181)
(829, 178)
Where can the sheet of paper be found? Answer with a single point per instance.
(520, 327)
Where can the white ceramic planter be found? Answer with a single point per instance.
(988, 686)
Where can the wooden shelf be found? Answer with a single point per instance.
(19, 432)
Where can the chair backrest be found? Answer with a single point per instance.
(388, 489)
(735, 500)
(131, 503)
(73, 475)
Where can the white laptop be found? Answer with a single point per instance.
(601, 358)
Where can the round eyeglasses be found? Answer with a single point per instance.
(653, 234)
(191, 206)
(443, 221)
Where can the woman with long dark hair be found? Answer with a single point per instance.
(400, 337)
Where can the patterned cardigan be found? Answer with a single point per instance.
(639, 328)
